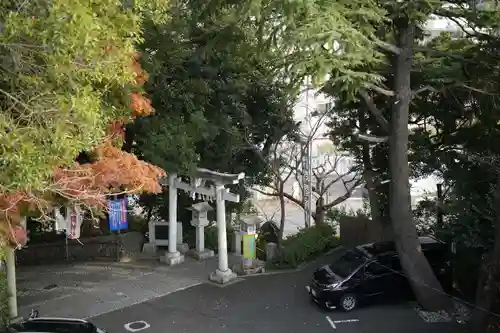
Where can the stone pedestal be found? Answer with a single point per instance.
(201, 255)
(171, 259)
(149, 248)
(255, 267)
(223, 277)
(183, 248)
(271, 251)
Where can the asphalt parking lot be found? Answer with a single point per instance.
(269, 303)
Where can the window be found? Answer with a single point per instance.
(348, 263)
(58, 326)
(396, 264)
(375, 269)
(323, 107)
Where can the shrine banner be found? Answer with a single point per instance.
(117, 214)
(73, 222)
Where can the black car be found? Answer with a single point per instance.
(373, 270)
(36, 324)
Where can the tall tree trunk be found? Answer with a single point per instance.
(368, 173)
(486, 288)
(369, 177)
(320, 212)
(283, 211)
(424, 283)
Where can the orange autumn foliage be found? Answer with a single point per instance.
(113, 171)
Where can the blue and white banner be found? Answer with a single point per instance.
(117, 212)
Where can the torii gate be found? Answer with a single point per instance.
(218, 191)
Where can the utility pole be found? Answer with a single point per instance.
(306, 181)
(307, 165)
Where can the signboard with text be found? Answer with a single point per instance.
(117, 212)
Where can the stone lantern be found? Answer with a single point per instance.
(199, 220)
(247, 233)
(249, 224)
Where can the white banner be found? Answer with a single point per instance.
(74, 219)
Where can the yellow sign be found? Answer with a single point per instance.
(249, 246)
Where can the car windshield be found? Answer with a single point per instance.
(52, 326)
(348, 263)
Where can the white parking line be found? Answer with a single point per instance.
(346, 321)
(332, 324)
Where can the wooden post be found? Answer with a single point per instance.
(10, 260)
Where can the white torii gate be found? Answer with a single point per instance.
(197, 187)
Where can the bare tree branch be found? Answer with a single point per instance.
(277, 194)
(372, 138)
(346, 195)
(384, 91)
(415, 93)
(388, 47)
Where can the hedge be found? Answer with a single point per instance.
(307, 244)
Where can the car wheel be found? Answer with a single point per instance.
(348, 302)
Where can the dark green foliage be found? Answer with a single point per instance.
(218, 106)
(268, 233)
(137, 223)
(307, 244)
(214, 103)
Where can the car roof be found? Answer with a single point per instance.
(54, 325)
(385, 248)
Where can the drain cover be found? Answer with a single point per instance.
(137, 325)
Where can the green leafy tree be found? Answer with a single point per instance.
(217, 105)
(450, 105)
(69, 71)
(63, 68)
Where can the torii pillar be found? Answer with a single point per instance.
(223, 274)
(173, 256)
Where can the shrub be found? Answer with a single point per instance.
(306, 245)
(137, 223)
